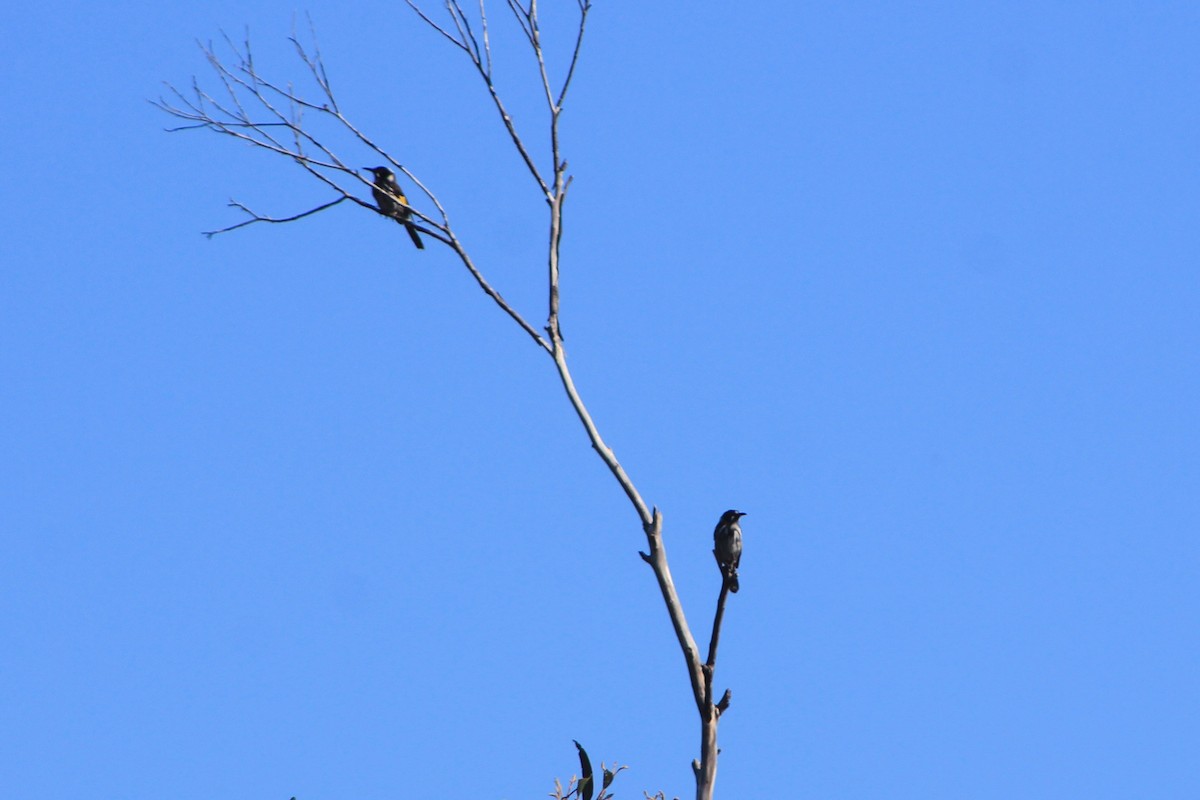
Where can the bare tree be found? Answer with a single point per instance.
(278, 118)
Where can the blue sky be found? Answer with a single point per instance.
(297, 511)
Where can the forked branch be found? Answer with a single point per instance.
(271, 116)
(277, 118)
(700, 673)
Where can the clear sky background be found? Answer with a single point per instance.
(298, 511)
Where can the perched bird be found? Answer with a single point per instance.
(727, 541)
(392, 202)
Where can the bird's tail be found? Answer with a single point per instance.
(733, 581)
(416, 237)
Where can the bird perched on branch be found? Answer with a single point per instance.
(392, 202)
(727, 541)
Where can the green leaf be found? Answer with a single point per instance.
(585, 765)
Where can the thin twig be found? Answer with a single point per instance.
(492, 293)
(584, 7)
(716, 631)
(536, 41)
(259, 218)
(522, 17)
(485, 74)
(487, 46)
(436, 27)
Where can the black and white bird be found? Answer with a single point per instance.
(392, 202)
(727, 546)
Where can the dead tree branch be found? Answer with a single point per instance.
(483, 65)
(700, 673)
(255, 217)
(273, 117)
